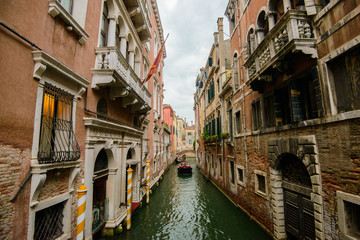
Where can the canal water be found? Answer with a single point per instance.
(190, 207)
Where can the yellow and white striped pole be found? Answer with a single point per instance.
(128, 199)
(147, 180)
(81, 206)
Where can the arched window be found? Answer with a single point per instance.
(251, 41)
(277, 7)
(117, 36)
(262, 26)
(101, 108)
(236, 70)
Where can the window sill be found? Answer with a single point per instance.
(44, 167)
(261, 194)
(55, 9)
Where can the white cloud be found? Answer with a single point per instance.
(191, 25)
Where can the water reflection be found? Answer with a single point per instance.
(190, 207)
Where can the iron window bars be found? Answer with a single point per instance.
(49, 222)
(57, 139)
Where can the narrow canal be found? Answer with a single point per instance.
(190, 207)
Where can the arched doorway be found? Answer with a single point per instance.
(101, 172)
(296, 185)
(298, 207)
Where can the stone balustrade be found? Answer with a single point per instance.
(291, 33)
(112, 69)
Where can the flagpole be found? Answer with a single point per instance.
(156, 62)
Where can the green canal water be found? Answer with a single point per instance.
(190, 207)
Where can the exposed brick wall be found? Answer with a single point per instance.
(338, 152)
(56, 183)
(13, 164)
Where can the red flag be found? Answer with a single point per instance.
(156, 63)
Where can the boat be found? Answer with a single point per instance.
(184, 168)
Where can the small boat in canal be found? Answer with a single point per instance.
(184, 168)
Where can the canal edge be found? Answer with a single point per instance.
(237, 205)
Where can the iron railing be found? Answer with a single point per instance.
(57, 139)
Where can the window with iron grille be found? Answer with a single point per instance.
(49, 222)
(57, 139)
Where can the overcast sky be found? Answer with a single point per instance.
(191, 24)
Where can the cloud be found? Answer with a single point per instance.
(191, 25)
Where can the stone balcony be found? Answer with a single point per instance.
(292, 33)
(139, 17)
(112, 70)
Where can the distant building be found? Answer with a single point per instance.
(189, 137)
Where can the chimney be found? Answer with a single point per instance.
(216, 37)
(221, 44)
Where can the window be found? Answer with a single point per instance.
(238, 122)
(232, 23)
(236, 71)
(67, 4)
(269, 111)
(349, 215)
(282, 106)
(260, 183)
(344, 76)
(240, 175)
(256, 115)
(101, 108)
(104, 26)
(71, 12)
(57, 140)
(232, 172)
(220, 167)
(49, 222)
(117, 36)
(155, 47)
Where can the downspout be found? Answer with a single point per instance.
(243, 92)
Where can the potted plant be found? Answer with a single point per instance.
(225, 135)
(205, 136)
(214, 138)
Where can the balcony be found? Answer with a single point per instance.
(140, 18)
(293, 33)
(112, 70)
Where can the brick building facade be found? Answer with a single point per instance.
(291, 109)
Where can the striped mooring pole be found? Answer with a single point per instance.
(81, 206)
(147, 180)
(128, 199)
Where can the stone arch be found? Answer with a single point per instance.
(101, 108)
(111, 7)
(130, 50)
(137, 61)
(305, 149)
(250, 40)
(120, 33)
(102, 183)
(262, 25)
